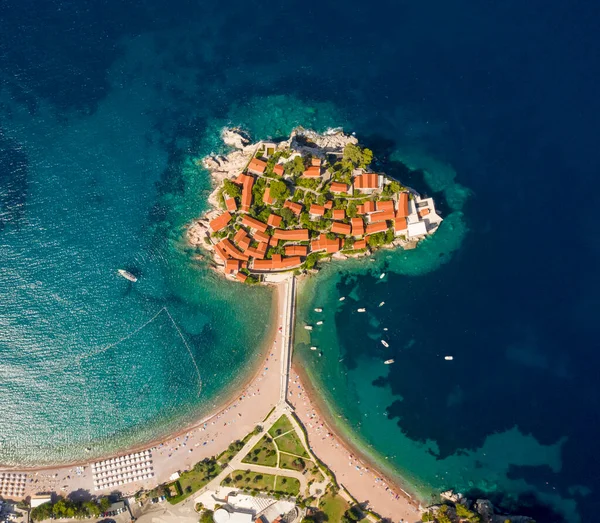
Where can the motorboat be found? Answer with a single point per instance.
(308, 327)
(319, 323)
(382, 304)
(385, 343)
(448, 358)
(127, 275)
(388, 362)
(361, 310)
(318, 310)
(313, 348)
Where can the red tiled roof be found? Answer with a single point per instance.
(262, 246)
(322, 243)
(292, 234)
(372, 228)
(221, 252)
(360, 244)
(366, 207)
(296, 250)
(267, 196)
(278, 169)
(220, 222)
(232, 250)
(240, 235)
(274, 220)
(296, 208)
(366, 181)
(341, 228)
(328, 204)
(255, 253)
(423, 212)
(232, 266)
(402, 205)
(273, 241)
(277, 263)
(313, 171)
(400, 224)
(261, 236)
(241, 276)
(230, 204)
(244, 243)
(358, 227)
(384, 205)
(381, 216)
(247, 193)
(338, 187)
(254, 224)
(317, 210)
(257, 165)
(338, 214)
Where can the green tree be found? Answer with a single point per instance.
(232, 189)
(279, 190)
(351, 210)
(206, 516)
(91, 508)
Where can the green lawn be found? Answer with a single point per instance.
(291, 443)
(253, 480)
(263, 453)
(226, 456)
(286, 461)
(288, 485)
(193, 480)
(333, 506)
(281, 426)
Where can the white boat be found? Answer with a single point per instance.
(313, 348)
(448, 358)
(308, 327)
(388, 362)
(385, 328)
(385, 343)
(127, 275)
(318, 310)
(382, 276)
(382, 304)
(361, 310)
(319, 323)
(342, 298)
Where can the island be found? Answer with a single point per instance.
(282, 206)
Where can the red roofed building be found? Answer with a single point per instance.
(402, 205)
(220, 222)
(316, 162)
(267, 196)
(384, 205)
(278, 169)
(322, 243)
(274, 220)
(338, 187)
(291, 235)
(231, 250)
(367, 182)
(241, 276)
(278, 263)
(423, 212)
(366, 207)
(381, 216)
(273, 241)
(257, 166)
(253, 223)
(328, 205)
(341, 228)
(240, 235)
(373, 228)
(220, 251)
(296, 250)
(261, 236)
(400, 226)
(358, 227)
(232, 266)
(230, 204)
(338, 214)
(296, 208)
(360, 244)
(316, 210)
(255, 253)
(247, 193)
(313, 171)
(244, 243)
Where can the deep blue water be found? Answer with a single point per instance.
(98, 95)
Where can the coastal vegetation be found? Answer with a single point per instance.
(281, 426)
(65, 508)
(264, 453)
(290, 443)
(259, 482)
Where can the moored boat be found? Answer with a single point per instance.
(385, 343)
(318, 310)
(382, 304)
(448, 358)
(308, 327)
(127, 275)
(313, 348)
(361, 310)
(382, 276)
(342, 298)
(319, 323)
(388, 362)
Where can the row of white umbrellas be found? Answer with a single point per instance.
(116, 466)
(126, 474)
(98, 485)
(12, 475)
(145, 453)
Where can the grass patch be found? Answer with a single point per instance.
(333, 506)
(291, 444)
(193, 480)
(250, 480)
(263, 453)
(227, 455)
(287, 485)
(281, 426)
(286, 461)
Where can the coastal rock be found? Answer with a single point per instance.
(454, 497)
(235, 138)
(485, 509)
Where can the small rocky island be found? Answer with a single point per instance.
(283, 206)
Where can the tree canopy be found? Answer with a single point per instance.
(231, 189)
(356, 157)
(279, 190)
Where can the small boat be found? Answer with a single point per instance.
(313, 348)
(382, 304)
(318, 310)
(382, 276)
(319, 323)
(448, 358)
(320, 353)
(127, 275)
(385, 343)
(361, 310)
(342, 298)
(388, 362)
(385, 328)
(308, 327)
